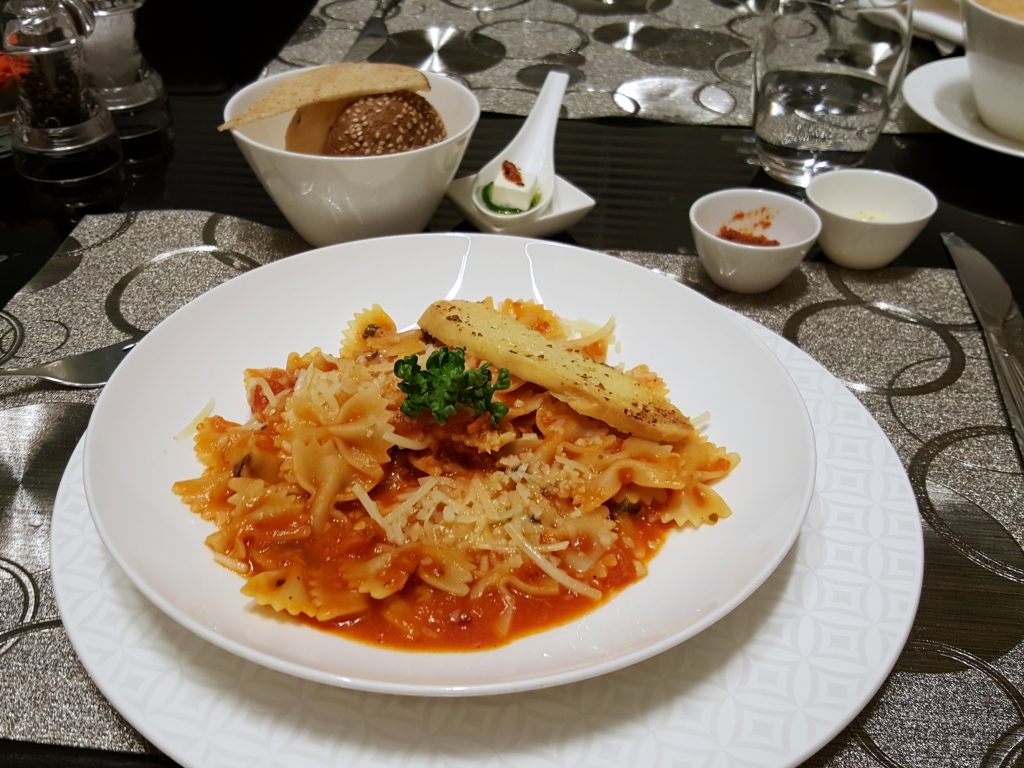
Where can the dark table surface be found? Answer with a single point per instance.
(644, 175)
(667, 167)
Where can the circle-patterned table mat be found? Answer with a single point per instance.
(903, 340)
(680, 61)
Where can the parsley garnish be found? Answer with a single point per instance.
(445, 384)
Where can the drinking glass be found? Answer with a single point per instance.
(825, 75)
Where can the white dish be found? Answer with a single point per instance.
(568, 205)
(307, 300)
(532, 152)
(766, 687)
(939, 20)
(744, 267)
(868, 217)
(344, 198)
(941, 94)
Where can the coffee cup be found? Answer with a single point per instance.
(994, 43)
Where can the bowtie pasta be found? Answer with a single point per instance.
(340, 508)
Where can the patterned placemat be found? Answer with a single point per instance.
(903, 340)
(681, 61)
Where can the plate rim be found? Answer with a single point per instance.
(919, 92)
(142, 719)
(514, 685)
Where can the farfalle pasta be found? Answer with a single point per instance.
(341, 509)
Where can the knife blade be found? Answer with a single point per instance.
(373, 35)
(1001, 324)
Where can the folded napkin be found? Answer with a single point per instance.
(939, 20)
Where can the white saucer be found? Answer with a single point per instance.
(940, 93)
(569, 204)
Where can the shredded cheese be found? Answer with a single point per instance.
(567, 581)
(253, 383)
(604, 333)
(394, 536)
(190, 429)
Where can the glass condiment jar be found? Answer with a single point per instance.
(124, 81)
(61, 131)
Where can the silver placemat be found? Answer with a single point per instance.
(904, 340)
(681, 61)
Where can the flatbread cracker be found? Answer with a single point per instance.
(333, 82)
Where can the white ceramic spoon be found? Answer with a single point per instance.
(532, 150)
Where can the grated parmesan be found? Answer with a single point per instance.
(189, 429)
(567, 581)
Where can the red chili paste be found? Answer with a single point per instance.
(747, 225)
(742, 236)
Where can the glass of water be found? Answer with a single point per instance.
(825, 75)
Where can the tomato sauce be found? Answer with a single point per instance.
(418, 616)
(422, 618)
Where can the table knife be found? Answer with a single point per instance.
(1001, 324)
(373, 35)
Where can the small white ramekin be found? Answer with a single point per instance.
(747, 268)
(868, 217)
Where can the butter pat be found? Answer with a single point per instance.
(870, 216)
(513, 188)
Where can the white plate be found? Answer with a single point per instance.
(941, 94)
(707, 355)
(765, 687)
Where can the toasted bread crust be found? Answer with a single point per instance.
(331, 83)
(588, 387)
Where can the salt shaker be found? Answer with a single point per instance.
(124, 81)
(61, 131)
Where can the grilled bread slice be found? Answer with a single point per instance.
(588, 387)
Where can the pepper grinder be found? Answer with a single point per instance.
(61, 131)
(127, 85)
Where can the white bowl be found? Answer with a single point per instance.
(868, 218)
(335, 199)
(747, 268)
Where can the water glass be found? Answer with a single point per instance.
(825, 75)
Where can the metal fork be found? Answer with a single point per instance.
(87, 370)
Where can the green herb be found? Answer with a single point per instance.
(493, 206)
(445, 384)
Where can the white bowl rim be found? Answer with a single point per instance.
(769, 194)
(1002, 17)
(932, 202)
(432, 76)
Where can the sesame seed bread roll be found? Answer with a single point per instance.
(383, 124)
